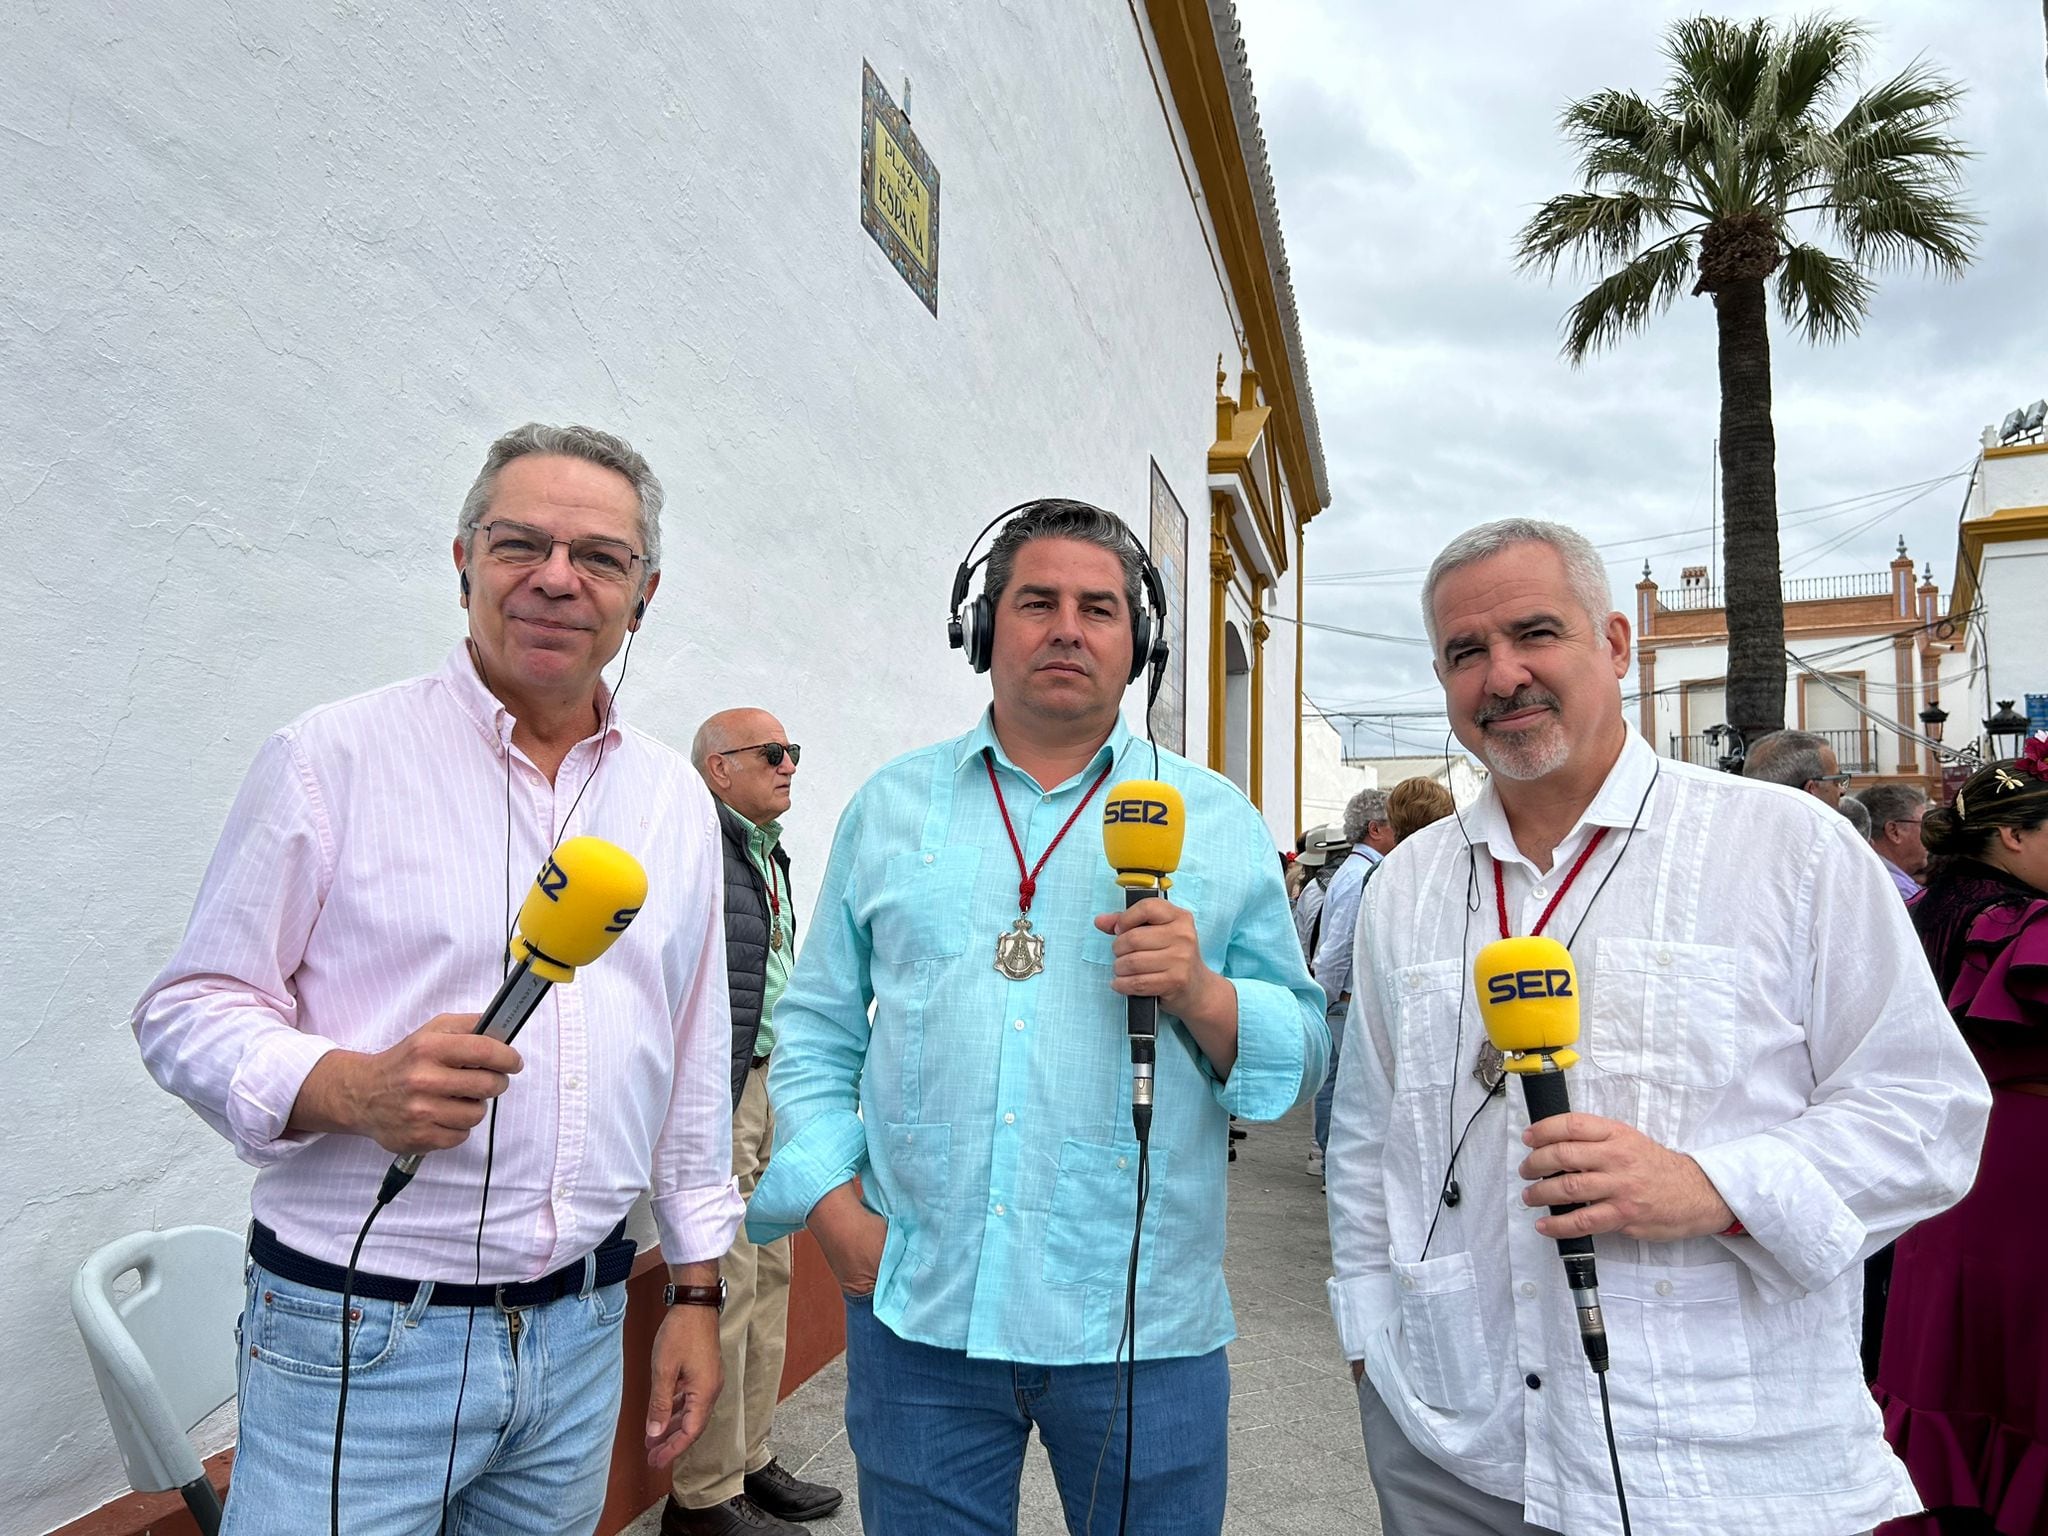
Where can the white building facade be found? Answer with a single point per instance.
(275, 276)
(1869, 652)
(2001, 585)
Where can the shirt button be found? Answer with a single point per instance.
(1534, 1382)
(1539, 891)
(1663, 1287)
(1528, 1288)
(561, 1191)
(927, 858)
(1045, 799)
(999, 1210)
(1123, 1162)
(1663, 957)
(1009, 1119)
(1407, 1282)
(1020, 1024)
(574, 1082)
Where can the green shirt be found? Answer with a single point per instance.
(761, 843)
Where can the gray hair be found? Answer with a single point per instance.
(571, 442)
(1858, 815)
(1887, 803)
(1058, 518)
(1785, 757)
(1583, 566)
(1361, 811)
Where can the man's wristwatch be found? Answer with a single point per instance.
(673, 1295)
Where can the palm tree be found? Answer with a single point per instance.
(1711, 185)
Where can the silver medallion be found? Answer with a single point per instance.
(1020, 953)
(775, 935)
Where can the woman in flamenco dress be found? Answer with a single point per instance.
(1963, 1379)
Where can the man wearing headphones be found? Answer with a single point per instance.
(361, 890)
(986, 1108)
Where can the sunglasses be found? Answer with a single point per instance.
(774, 751)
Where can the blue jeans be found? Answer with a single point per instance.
(940, 1438)
(537, 1420)
(1334, 1016)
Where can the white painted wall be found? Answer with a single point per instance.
(1327, 781)
(2009, 639)
(271, 278)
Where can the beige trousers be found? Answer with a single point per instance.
(751, 1334)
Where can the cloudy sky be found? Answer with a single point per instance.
(1410, 142)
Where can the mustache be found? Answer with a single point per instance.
(1525, 698)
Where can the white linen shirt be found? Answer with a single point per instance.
(360, 887)
(1755, 996)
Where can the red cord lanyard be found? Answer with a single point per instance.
(1500, 886)
(774, 907)
(1027, 886)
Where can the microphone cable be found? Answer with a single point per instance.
(490, 1136)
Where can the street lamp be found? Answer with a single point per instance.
(1934, 717)
(2007, 730)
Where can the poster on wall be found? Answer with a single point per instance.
(1169, 548)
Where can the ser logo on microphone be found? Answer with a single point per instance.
(1151, 813)
(553, 880)
(620, 919)
(1509, 986)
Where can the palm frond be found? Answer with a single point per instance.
(1718, 61)
(1918, 92)
(1896, 221)
(1625, 299)
(1596, 228)
(1824, 295)
(1815, 57)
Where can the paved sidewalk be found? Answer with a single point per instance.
(1295, 1459)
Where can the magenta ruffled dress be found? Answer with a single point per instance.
(1963, 1380)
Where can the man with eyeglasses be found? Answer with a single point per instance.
(729, 1483)
(1896, 811)
(362, 888)
(1799, 760)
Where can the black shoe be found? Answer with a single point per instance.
(789, 1497)
(1238, 1132)
(735, 1517)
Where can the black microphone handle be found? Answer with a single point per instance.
(503, 1017)
(1546, 1095)
(1141, 1022)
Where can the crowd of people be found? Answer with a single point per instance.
(1782, 1073)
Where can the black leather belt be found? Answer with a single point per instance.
(759, 1063)
(614, 1263)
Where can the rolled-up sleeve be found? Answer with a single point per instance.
(697, 1204)
(219, 1026)
(1283, 1040)
(821, 1044)
(1361, 1281)
(1895, 1121)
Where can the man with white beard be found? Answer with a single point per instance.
(1768, 1091)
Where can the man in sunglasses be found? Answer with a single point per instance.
(729, 1483)
(1798, 760)
(363, 886)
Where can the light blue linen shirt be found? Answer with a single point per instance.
(1332, 961)
(989, 1119)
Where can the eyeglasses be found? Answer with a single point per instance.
(1835, 778)
(774, 751)
(518, 544)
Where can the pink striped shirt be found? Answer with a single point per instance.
(359, 888)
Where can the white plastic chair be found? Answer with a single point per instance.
(164, 1353)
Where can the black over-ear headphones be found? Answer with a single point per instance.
(971, 627)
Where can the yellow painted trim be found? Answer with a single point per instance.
(1300, 686)
(1221, 569)
(1260, 630)
(1201, 99)
(2005, 526)
(2015, 450)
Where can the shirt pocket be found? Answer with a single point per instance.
(1665, 1012)
(1441, 1340)
(924, 911)
(1094, 1203)
(1427, 1000)
(1680, 1347)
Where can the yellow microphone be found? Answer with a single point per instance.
(1143, 825)
(1529, 999)
(584, 897)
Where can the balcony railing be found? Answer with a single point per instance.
(1855, 749)
(1807, 589)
